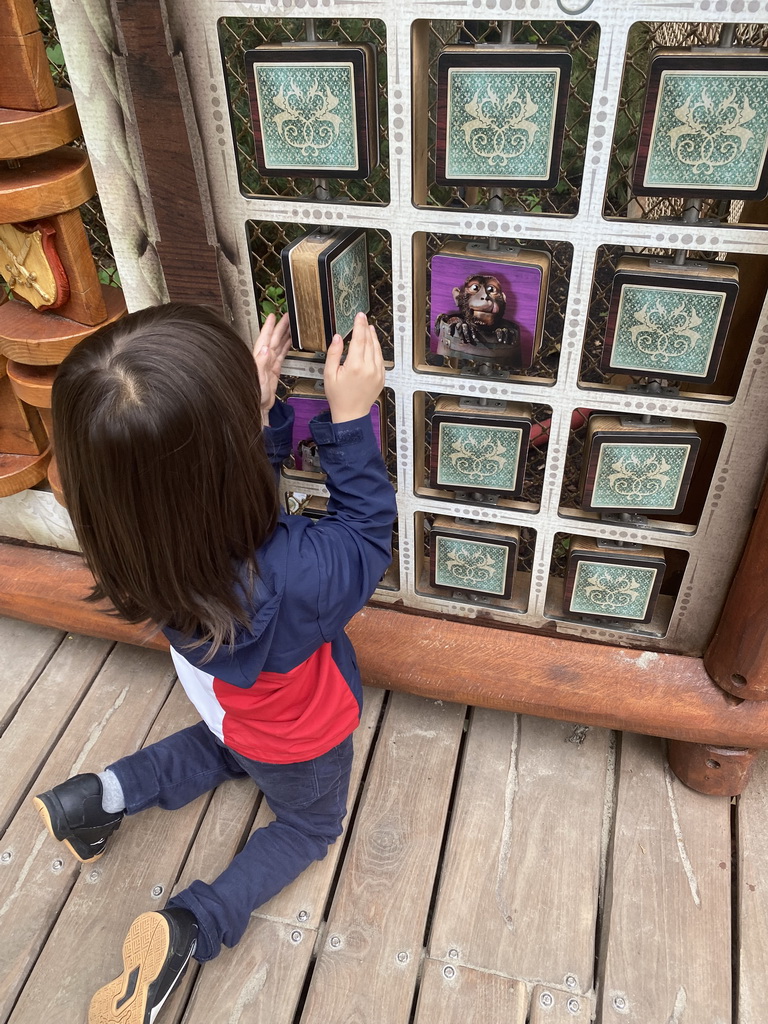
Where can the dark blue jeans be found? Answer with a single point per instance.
(308, 799)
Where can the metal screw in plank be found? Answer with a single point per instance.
(573, 1006)
(296, 936)
(6, 857)
(157, 891)
(620, 1002)
(453, 954)
(303, 915)
(449, 972)
(57, 865)
(402, 957)
(546, 999)
(570, 981)
(94, 876)
(334, 941)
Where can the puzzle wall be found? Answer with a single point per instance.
(555, 212)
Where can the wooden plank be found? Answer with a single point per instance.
(659, 694)
(369, 962)
(26, 648)
(267, 985)
(519, 888)
(459, 995)
(188, 260)
(135, 876)
(225, 827)
(44, 715)
(752, 896)
(264, 975)
(45, 184)
(666, 945)
(32, 384)
(45, 339)
(555, 1006)
(26, 133)
(18, 472)
(35, 880)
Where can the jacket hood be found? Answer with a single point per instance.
(241, 663)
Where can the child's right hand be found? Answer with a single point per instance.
(352, 388)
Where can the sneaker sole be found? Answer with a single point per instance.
(45, 814)
(145, 950)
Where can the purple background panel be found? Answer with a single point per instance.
(521, 286)
(305, 408)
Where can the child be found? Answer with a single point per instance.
(166, 473)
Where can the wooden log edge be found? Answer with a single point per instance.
(640, 691)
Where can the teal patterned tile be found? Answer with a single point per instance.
(666, 330)
(613, 591)
(501, 123)
(307, 114)
(471, 565)
(710, 130)
(646, 477)
(349, 285)
(473, 455)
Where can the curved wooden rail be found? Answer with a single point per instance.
(658, 694)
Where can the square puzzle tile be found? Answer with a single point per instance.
(313, 109)
(705, 125)
(501, 115)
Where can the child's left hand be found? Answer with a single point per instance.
(270, 350)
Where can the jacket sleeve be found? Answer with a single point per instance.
(353, 544)
(278, 434)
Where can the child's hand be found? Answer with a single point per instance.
(269, 352)
(352, 389)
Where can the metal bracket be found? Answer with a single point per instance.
(494, 404)
(633, 519)
(482, 247)
(644, 421)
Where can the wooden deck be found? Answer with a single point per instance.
(495, 868)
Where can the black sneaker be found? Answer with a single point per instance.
(156, 951)
(73, 814)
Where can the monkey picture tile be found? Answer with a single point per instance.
(308, 402)
(487, 307)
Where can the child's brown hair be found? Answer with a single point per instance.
(164, 470)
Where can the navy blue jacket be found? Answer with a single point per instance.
(291, 685)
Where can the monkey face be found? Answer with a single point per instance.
(481, 299)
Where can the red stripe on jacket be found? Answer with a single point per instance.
(289, 716)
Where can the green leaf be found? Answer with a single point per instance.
(55, 54)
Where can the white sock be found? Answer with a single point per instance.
(112, 799)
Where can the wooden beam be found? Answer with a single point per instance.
(187, 258)
(658, 694)
(737, 657)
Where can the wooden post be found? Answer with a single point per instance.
(737, 657)
(716, 771)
